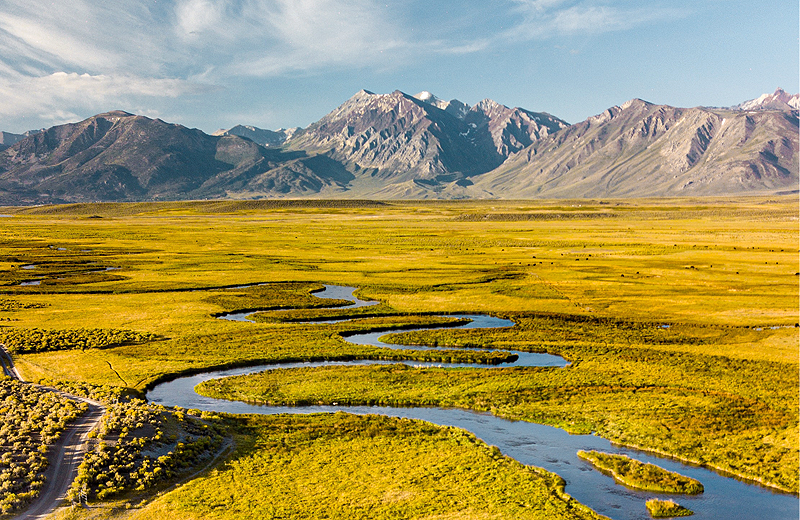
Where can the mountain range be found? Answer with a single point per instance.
(402, 146)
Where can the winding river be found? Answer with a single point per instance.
(533, 444)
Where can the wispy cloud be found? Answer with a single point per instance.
(195, 18)
(273, 37)
(183, 38)
(188, 37)
(540, 19)
(84, 55)
(59, 95)
(80, 35)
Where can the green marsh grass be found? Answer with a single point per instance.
(639, 475)
(341, 466)
(666, 509)
(717, 387)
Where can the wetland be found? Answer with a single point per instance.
(670, 328)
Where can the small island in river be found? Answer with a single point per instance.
(639, 475)
(667, 509)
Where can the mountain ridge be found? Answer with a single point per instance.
(118, 156)
(268, 138)
(641, 149)
(778, 100)
(395, 145)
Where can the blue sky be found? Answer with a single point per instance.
(281, 63)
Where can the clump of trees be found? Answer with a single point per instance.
(31, 420)
(138, 445)
(22, 341)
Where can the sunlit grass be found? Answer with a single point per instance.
(595, 286)
(306, 467)
(639, 475)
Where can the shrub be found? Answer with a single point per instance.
(666, 509)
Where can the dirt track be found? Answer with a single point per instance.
(66, 456)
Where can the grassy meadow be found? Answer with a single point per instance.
(341, 466)
(679, 316)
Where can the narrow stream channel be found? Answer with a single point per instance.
(533, 444)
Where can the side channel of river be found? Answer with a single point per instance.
(530, 443)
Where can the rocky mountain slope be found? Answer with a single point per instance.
(263, 137)
(641, 149)
(778, 100)
(120, 156)
(7, 138)
(401, 146)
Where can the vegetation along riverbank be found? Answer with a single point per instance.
(678, 317)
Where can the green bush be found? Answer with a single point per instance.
(131, 450)
(666, 509)
(31, 419)
(23, 341)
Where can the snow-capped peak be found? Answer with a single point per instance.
(780, 99)
(454, 107)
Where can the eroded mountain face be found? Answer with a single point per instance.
(400, 137)
(641, 149)
(401, 146)
(119, 156)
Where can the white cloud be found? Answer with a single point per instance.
(58, 94)
(477, 45)
(217, 39)
(98, 37)
(186, 37)
(81, 56)
(195, 17)
(548, 18)
(272, 37)
(540, 5)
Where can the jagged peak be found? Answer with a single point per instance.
(636, 103)
(777, 100)
(427, 97)
(453, 107)
(114, 113)
(489, 104)
(362, 95)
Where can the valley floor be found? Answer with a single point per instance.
(678, 316)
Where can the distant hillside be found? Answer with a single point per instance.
(385, 146)
(263, 137)
(118, 156)
(778, 100)
(641, 149)
(7, 138)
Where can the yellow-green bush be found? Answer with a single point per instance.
(21, 341)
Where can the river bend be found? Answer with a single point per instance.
(534, 444)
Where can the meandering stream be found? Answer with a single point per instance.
(530, 443)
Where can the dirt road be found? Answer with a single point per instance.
(66, 455)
